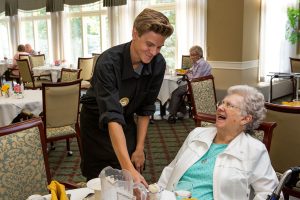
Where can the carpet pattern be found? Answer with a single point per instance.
(162, 143)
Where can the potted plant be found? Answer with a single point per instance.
(292, 29)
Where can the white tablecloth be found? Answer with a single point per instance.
(54, 70)
(79, 194)
(168, 86)
(11, 107)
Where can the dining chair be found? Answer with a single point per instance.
(95, 56)
(295, 65)
(86, 65)
(68, 75)
(37, 60)
(295, 68)
(264, 132)
(13, 74)
(24, 165)
(284, 152)
(186, 62)
(24, 56)
(29, 81)
(202, 95)
(61, 111)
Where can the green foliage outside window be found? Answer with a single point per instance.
(168, 51)
(292, 26)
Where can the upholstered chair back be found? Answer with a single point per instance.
(263, 133)
(24, 56)
(203, 95)
(186, 62)
(95, 56)
(23, 171)
(25, 71)
(68, 75)
(86, 65)
(61, 103)
(37, 60)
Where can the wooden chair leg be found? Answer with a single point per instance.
(78, 139)
(52, 146)
(70, 153)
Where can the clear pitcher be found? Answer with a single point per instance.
(118, 185)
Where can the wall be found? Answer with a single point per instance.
(233, 41)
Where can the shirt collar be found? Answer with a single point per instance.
(231, 149)
(128, 71)
(198, 61)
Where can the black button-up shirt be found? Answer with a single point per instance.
(114, 79)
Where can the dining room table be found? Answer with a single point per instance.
(13, 105)
(54, 70)
(169, 84)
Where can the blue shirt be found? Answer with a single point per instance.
(201, 173)
(199, 69)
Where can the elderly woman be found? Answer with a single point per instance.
(225, 162)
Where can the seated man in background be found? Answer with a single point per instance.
(199, 68)
(224, 162)
(29, 49)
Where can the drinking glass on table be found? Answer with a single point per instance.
(183, 189)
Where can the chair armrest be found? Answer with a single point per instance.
(205, 117)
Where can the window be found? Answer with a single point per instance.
(87, 28)
(168, 8)
(35, 29)
(5, 45)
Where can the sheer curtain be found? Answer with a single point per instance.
(275, 50)
(121, 22)
(192, 29)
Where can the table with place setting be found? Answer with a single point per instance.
(12, 106)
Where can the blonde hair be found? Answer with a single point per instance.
(152, 20)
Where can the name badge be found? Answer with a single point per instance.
(124, 101)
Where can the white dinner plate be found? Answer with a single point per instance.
(94, 184)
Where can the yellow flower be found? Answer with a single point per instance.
(5, 88)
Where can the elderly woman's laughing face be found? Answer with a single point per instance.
(230, 114)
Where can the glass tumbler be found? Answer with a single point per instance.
(183, 190)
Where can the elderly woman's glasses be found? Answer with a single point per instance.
(227, 105)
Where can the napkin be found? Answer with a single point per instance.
(57, 190)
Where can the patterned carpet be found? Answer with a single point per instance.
(162, 143)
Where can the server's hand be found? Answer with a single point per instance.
(138, 178)
(138, 160)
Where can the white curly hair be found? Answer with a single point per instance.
(253, 104)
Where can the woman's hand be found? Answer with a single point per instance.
(138, 160)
